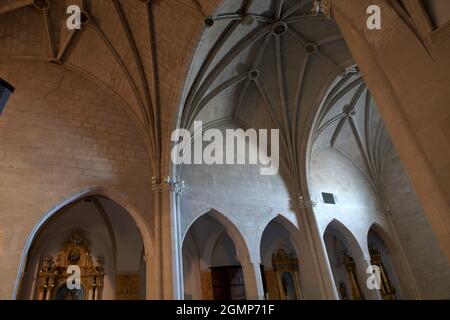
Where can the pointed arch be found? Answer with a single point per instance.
(205, 233)
(291, 229)
(384, 235)
(66, 202)
(232, 230)
(348, 237)
(407, 282)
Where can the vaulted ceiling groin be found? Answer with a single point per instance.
(124, 46)
(265, 64)
(349, 122)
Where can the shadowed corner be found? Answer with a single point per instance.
(6, 89)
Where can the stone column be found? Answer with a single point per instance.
(151, 285)
(252, 278)
(96, 292)
(169, 281)
(405, 275)
(50, 285)
(91, 289)
(318, 251)
(401, 88)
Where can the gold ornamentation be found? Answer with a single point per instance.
(305, 203)
(285, 266)
(350, 266)
(53, 273)
(388, 291)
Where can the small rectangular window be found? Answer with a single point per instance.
(5, 91)
(328, 198)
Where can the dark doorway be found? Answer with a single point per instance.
(228, 283)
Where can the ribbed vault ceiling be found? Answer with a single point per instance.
(265, 64)
(260, 63)
(349, 122)
(137, 50)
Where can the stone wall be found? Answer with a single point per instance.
(60, 135)
(428, 263)
(407, 69)
(357, 206)
(240, 193)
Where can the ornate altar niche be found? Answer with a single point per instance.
(350, 266)
(52, 276)
(286, 269)
(388, 291)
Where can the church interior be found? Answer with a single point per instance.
(86, 171)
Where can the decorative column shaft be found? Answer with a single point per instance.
(324, 273)
(407, 279)
(91, 290)
(41, 295)
(168, 254)
(167, 184)
(49, 287)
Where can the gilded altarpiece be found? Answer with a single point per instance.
(287, 276)
(350, 266)
(52, 276)
(388, 291)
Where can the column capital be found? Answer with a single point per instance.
(167, 184)
(304, 203)
(322, 6)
